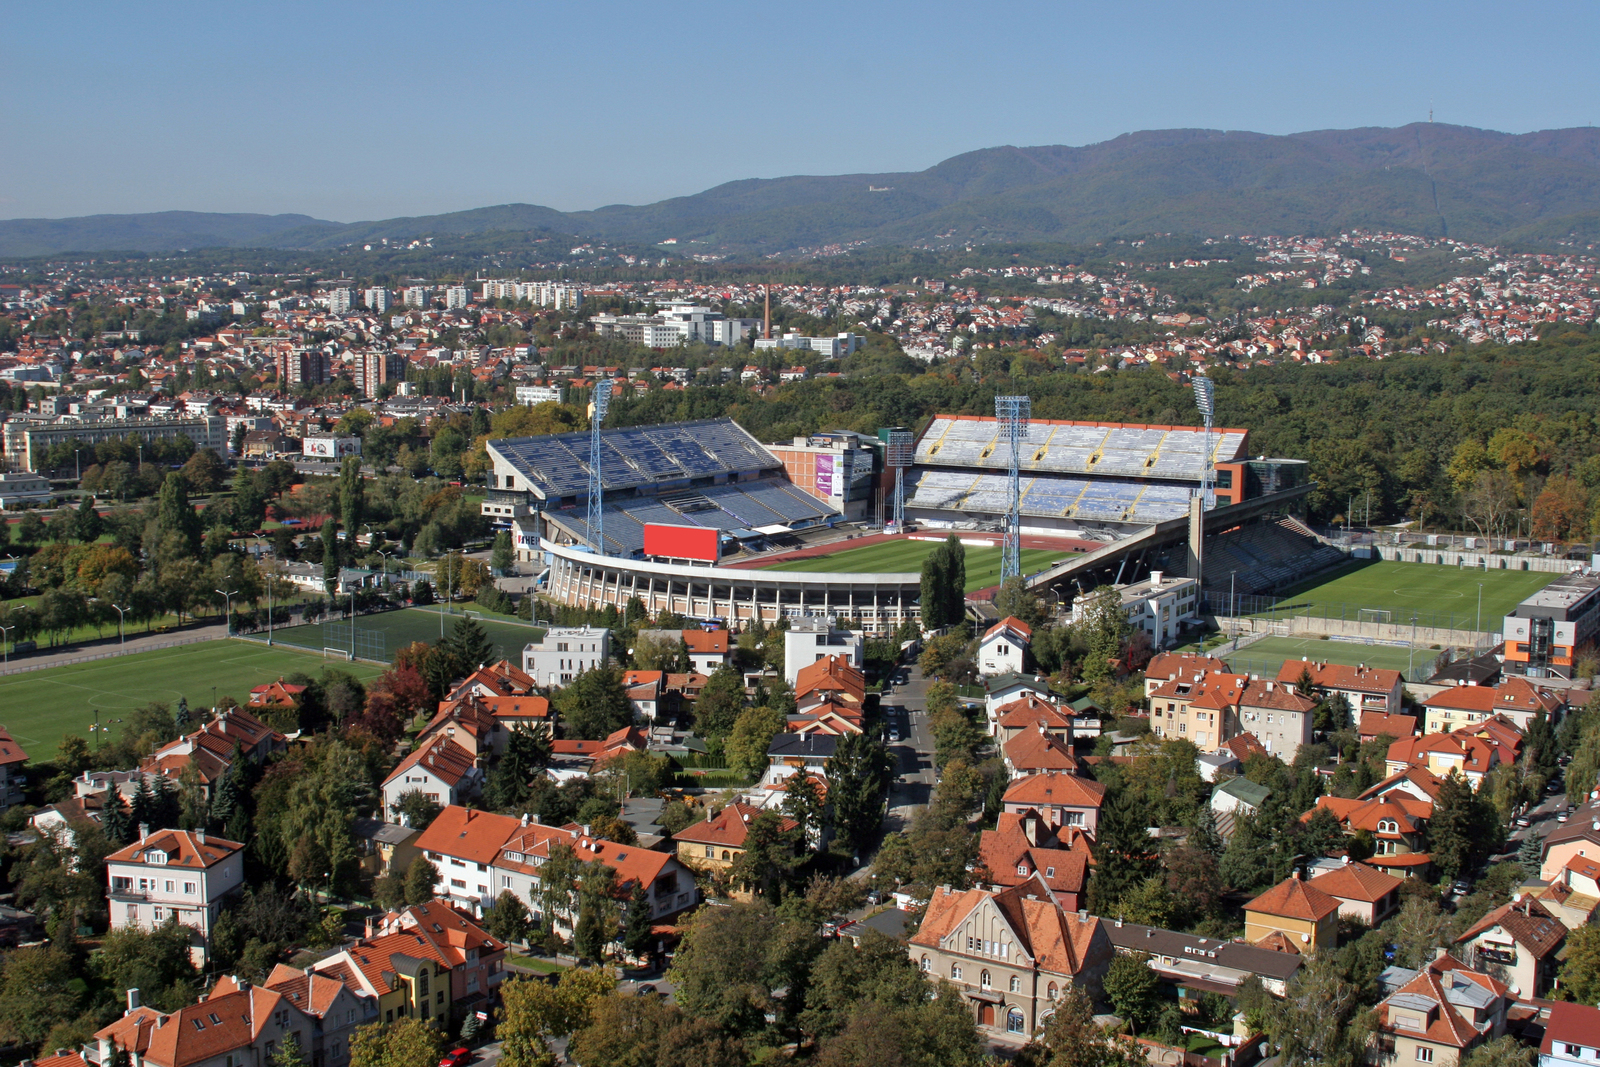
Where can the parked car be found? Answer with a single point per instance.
(874, 897)
(1461, 887)
(456, 1057)
(1563, 816)
(648, 990)
(1523, 822)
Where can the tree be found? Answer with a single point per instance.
(406, 1042)
(1313, 1023)
(501, 557)
(288, 1053)
(352, 497)
(1530, 856)
(1580, 972)
(638, 933)
(1071, 1038)
(935, 580)
(1102, 628)
(508, 919)
(1417, 930)
(36, 994)
(1016, 600)
(421, 877)
(802, 802)
(1122, 852)
(594, 705)
(87, 526)
(720, 703)
(1502, 1051)
(770, 859)
(1463, 828)
(746, 747)
(330, 557)
(1131, 986)
(857, 773)
(732, 959)
(175, 515)
(1205, 834)
(533, 1011)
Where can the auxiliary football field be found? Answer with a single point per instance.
(906, 556)
(380, 635)
(1393, 593)
(39, 708)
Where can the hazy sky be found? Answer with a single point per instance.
(351, 110)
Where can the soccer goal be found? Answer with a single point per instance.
(1373, 615)
(337, 653)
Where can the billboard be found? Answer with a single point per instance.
(680, 542)
(325, 447)
(824, 476)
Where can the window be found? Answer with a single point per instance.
(1022, 869)
(188, 888)
(133, 913)
(1015, 1023)
(458, 883)
(983, 980)
(1016, 984)
(161, 913)
(925, 964)
(170, 884)
(1051, 991)
(1049, 872)
(1424, 1054)
(1574, 1050)
(955, 972)
(711, 852)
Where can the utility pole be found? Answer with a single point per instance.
(1480, 607)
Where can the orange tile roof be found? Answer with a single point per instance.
(1339, 676)
(182, 848)
(1294, 898)
(1528, 923)
(1060, 942)
(1028, 711)
(441, 757)
(1448, 1025)
(1054, 788)
(728, 827)
(1376, 723)
(1035, 750)
(1357, 881)
(1012, 623)
(471, 835)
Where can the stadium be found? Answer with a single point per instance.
(702, 519)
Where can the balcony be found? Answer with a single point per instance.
(506, 504)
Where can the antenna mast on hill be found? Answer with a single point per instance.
(1012, 413)
(597, 414)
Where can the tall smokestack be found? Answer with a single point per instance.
(766, 321)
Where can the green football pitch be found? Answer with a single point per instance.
(1435, 594)
(905, 557)
(1265, 656)
(39, 708)
(400, 628)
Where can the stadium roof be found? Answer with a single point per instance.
(557, 465)
(1117, 449)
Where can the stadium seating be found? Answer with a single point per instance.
(1126, 451)
(1102, 500)
(749, 505)
(1265, 556)
(636, 456)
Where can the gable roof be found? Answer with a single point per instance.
(1376, 724)
(1037, 750)
(1513, 694)
(1176, 664)
(440, 757)
(1055, 788)
(1575, 1024)
(475, 836)
(1019, 631)
(728, 827)
(1057, 941)
(1294, 898)
(1356, 881)
(1028, 710)
(1338, 676)
(1528, 923)
(1436, 991)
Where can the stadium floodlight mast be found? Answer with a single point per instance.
(898, 455)
(1204, 399)
(1013, 413)
(597, 414)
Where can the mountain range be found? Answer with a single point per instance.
(1426, 178)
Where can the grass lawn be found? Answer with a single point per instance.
(905, 557)
(1437, 595)
(1265, 656)
(39, 708)
(406, 625)
(534, 963)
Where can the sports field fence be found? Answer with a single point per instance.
(1293, 616)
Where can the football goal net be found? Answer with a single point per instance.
(1373, 615)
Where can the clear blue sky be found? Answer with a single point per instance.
(357, 110)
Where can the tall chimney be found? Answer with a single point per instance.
(766, 322)
(133, 999)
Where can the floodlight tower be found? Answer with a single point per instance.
(898, 455)
(1012, 413)
(1204, 392)
(597, 414)
(1204, 399)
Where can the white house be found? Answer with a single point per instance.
(1571, 1037)
(790, 752)
(708, 649)
(1004, 646)
(173, 874)
(441, 770)
(566, 652)
(811, 639)
(1160, 606)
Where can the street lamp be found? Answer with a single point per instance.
(227, 599)
(5, 648)
(122, 635)
(1480, 607)
(77, 465)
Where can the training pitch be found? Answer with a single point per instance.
(1436, 594)
(39, 708)
(400, 628)
(1265, 656)
(903, 557)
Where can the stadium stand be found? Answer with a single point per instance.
(1261, 557)
(746, 506)
(634, 457)
(1101, 499)
(1078, 448)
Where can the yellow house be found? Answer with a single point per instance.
(1304, 915)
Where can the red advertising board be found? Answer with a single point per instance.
(680, 542)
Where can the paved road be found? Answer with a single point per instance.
(1543, 816)
(110, 646)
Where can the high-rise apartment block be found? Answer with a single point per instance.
(456, 297)
(377, 299)
(417, 296)
(301, 366)
(540, 294)
(340, 301)
(372, 369)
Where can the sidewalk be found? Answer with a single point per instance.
(109, 647)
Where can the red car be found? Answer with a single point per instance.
(457, 1057)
